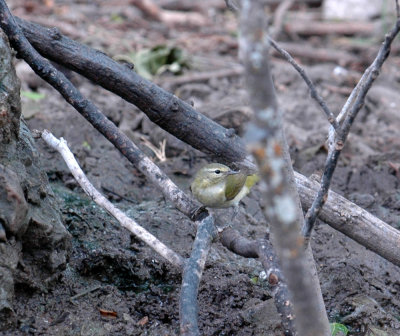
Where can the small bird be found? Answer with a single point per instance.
(218, 186)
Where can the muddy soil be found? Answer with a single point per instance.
(110, 270)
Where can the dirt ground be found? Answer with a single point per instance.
(113, 271)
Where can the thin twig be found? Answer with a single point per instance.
(158, 152)
(263, 250)
(333, 156)
(188, 307)
(345, 109)
(85, 292)
(128, 223)
(313, 90)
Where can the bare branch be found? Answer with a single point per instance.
(88, 110)
(330, 164)
(353, 221)
(345, 109)
(238, 244)
(267, 143)
(188, 307)
(163, 108)
(233, 241)
(313, 90)
(128, 223)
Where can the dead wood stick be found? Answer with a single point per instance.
(329, 28)
(319, 54)
(128, 223)
(163, 108)
(169, 17)
(200, 77)
(353, 221)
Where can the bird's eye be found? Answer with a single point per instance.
(217, 171)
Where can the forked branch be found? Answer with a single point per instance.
(361, 91)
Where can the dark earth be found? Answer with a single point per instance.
(113, 271)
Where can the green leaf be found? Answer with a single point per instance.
(338, 329)
(86, 145)
(116, 18)
(157, 60)
(254, 280)
(35, 96)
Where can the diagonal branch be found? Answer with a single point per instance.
(353, 221)
(128, 223)
(163, 108)
(333, 156)
(314, 94)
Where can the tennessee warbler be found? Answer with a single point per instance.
(218, 186)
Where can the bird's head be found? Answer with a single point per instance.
(211, 174)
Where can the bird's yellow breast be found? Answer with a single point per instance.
(212, 196)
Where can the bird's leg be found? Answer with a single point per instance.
(235, 212)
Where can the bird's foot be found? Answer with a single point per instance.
(196, 213)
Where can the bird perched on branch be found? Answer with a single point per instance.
(218, 186)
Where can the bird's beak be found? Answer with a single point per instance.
(232, 172)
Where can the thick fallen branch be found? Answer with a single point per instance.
(163, 108)
(169, 17)
(353, 221)
(128, 223)
(329, 28)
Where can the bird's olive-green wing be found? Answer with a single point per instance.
(234, 183)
